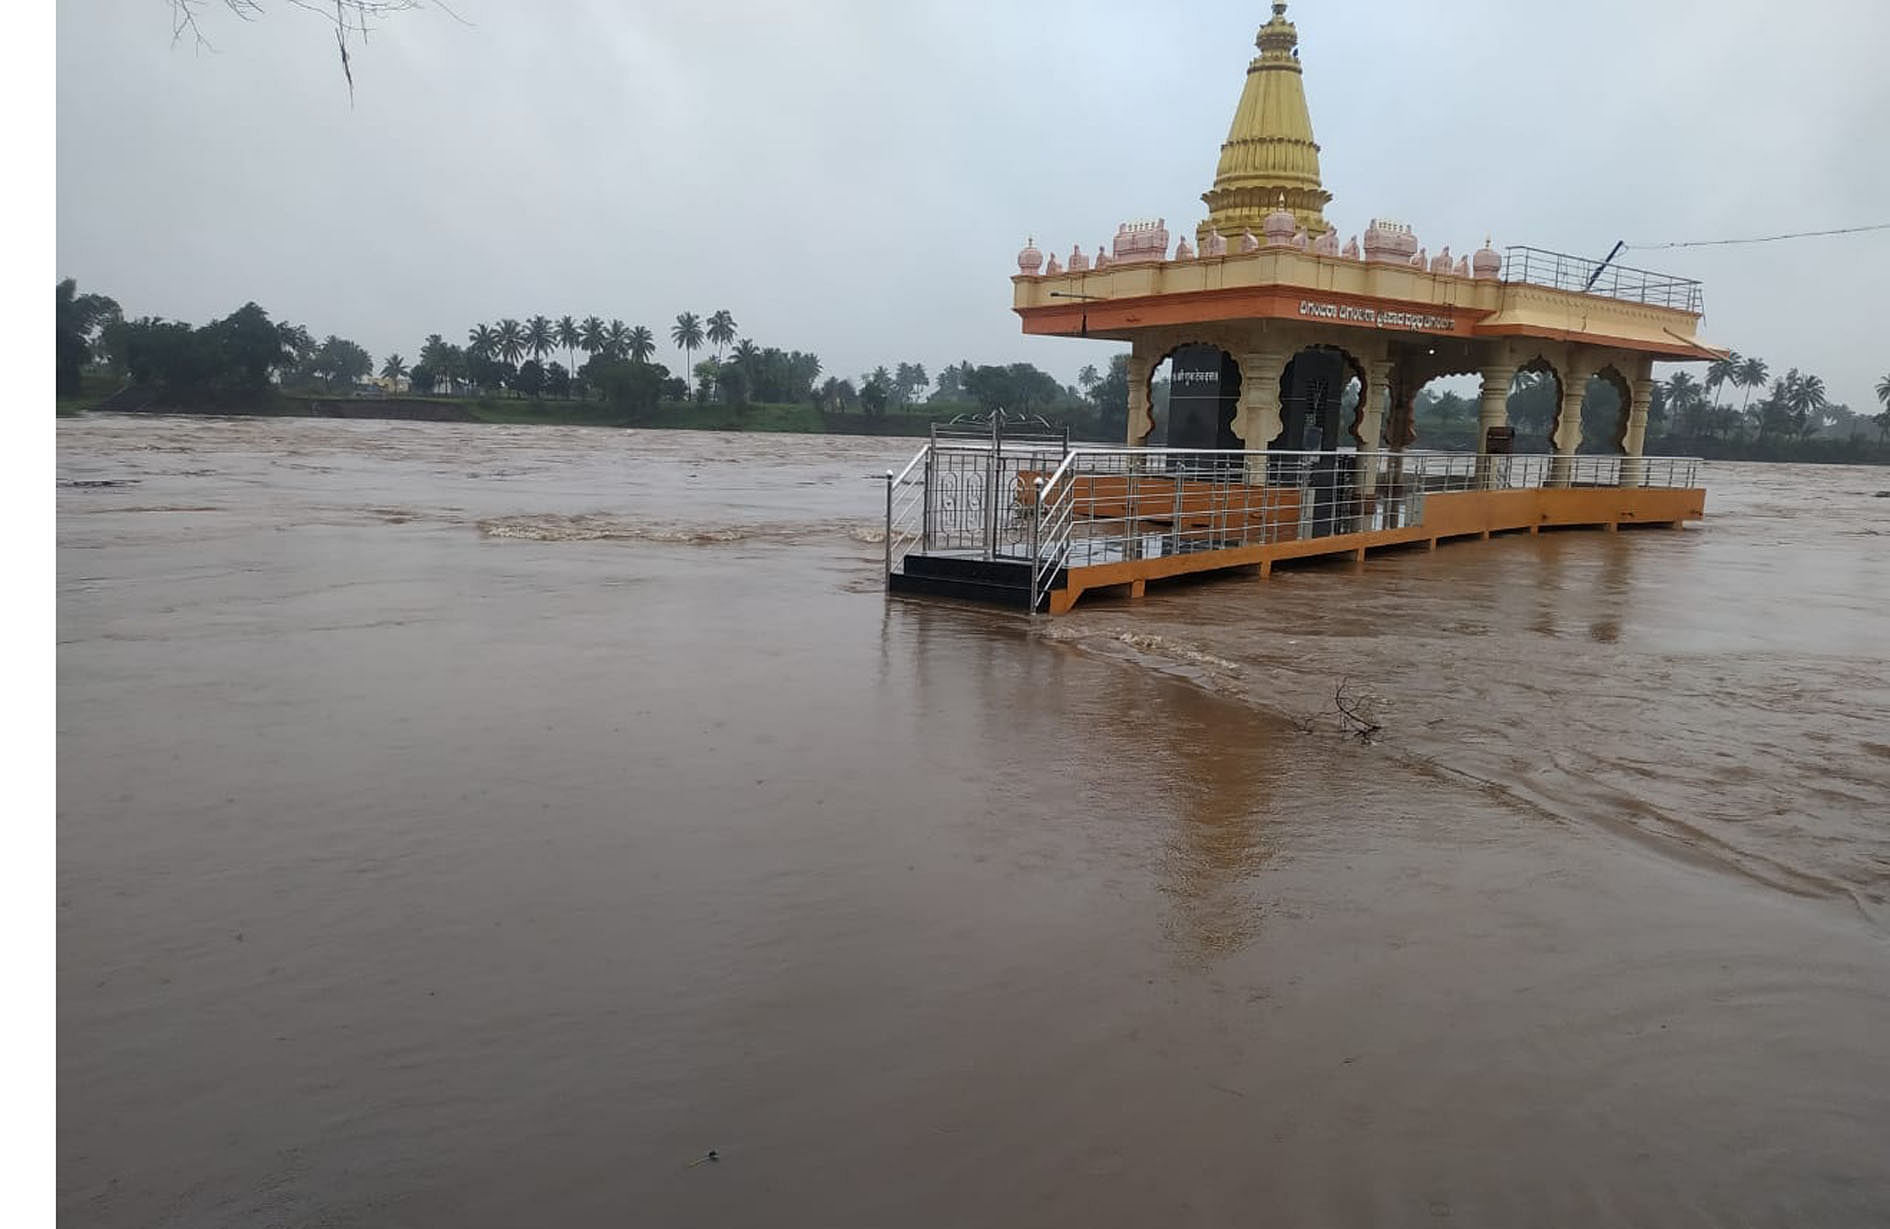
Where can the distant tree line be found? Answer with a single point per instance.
(246, 354)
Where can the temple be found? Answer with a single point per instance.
(1294, 364)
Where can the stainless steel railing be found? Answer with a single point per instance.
(1093, 506)
(961, 497)
(1111, 505)
(905, 508)
(1585, 275)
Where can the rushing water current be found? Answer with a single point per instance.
(475, 826)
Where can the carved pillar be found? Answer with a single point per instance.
(1400, 433)
(1567, 435)
(1141, 413)
(1493, 411)
(1257, 421)
(1633, 468)
(1371, 421)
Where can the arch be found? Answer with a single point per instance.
(1615, 438)
(1442, 417)
(1208, 394)
(1534, 415)
(1313, 397)
(1414, 367)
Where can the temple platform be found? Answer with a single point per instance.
(1021, 528)
(1449, 516)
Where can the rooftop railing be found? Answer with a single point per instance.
(1583, 275)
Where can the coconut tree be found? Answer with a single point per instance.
(687, 334)
(1805, 398)
(394, 369)
(591, 336)
(616, 339)
(1683, 401)
(570, 337)
(1883, 420)
(746, 354)
(1752, 374)
(721, 331)
(541, 337)
(482, 349)
(1773, 415)
(1722, 372)
(641, 344)
(511, 340)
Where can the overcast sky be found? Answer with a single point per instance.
(855, 177)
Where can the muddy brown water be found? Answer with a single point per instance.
(467, 825)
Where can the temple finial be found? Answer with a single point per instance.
(1270, 150)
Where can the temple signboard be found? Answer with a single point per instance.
(1371, 317)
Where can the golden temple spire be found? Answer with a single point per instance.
(1270, 154)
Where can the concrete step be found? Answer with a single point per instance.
(957, 567)
(1012, 597)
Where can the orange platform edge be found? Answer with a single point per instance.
(1455, 514)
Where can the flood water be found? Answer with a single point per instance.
(473, 826)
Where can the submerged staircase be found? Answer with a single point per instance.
(991, 582)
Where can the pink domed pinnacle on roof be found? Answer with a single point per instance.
(1390, 241)
(1488, 262)
(1280, 226)
(1079, 263)
(1141, 241)
(1030, 259)
(1102, 256)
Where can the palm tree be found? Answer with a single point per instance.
(1883, 420)
(394, 369)
(482, 341)
(511, 340)
(569, 337)
(1683, 401)
(591, 335)
(641, 344)
(1804, 397)
(1087, 380)
(617, 340)
(1752, 374)
(806, 369)
(745, 355)
(541, 337)
(1722, 372)
(721, 331)
(1773, 412)
(687, 334)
